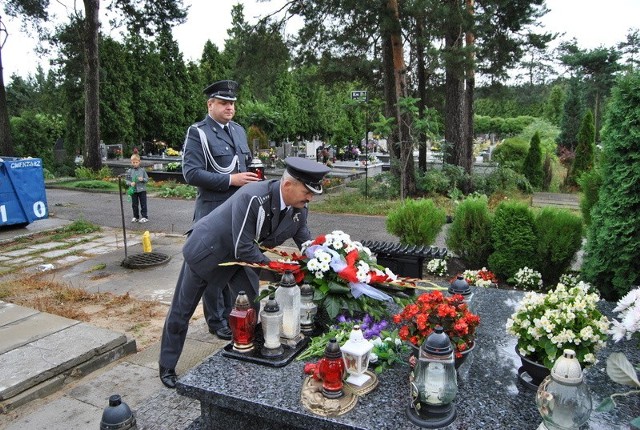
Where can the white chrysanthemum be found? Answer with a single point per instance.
(590, 358)
(631, 298)
(313, 265)
(324, 266)
(322, 256)
(319, 274)
(617, 331)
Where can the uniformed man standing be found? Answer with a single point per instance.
(215, 159)
(266, 213)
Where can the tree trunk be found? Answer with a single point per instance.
(469, 90)
(6, 144)
(455, 150)
(93, 159)
(422, 91)
(397, 85)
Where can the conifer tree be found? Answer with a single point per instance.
(583, 161)
(612, 255)
(532, 167)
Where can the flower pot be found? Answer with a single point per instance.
(531, 373)
(415, 352)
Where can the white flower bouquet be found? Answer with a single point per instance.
(547, 324)
(528, 279)
(628, 309)
(437, 266)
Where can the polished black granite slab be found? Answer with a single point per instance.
(236, 394)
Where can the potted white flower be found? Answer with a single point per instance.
(547, 324)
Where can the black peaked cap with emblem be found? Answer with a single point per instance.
(308, 172)
(224, 90)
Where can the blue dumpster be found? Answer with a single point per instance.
(22, 194)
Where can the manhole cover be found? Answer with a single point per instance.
(147, 259)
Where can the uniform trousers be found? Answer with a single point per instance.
(191, 284)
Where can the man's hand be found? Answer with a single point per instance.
(240, 179)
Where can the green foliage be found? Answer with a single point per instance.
(590, 183)
(511, 153)
(79, 226)
(34, 135)
(514, 239)
(502, 126)
(571, 114)
(532, 167)
(380, 187)
(559, 237)
(501, 179)
(416, 222)
(612, 255)
(547, 173)
(469, 236)
(172, 189)
(554, 105)
(548, 134)
(433, 181)
(90, 174)
(584, 157)
(94, 185)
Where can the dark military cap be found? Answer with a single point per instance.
(225, 90)
(308, 172)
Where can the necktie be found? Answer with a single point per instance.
(283, 213)
(226, 129)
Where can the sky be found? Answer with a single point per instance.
(593, 23)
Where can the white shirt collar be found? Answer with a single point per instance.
(282, 203)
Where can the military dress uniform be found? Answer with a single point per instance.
(210, 154)
(230, 233)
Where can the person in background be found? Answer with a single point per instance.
(137, 178)
(215, 157)
(265, 214)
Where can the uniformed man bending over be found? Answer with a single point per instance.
(232, 232)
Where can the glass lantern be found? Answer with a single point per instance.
(563, 398)
(331, 370)
(288, 297)
(271, 318)
(434, 383)
(355, 354)
(308, 309)
(242, 321)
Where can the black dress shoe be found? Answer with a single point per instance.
(223, 333)
(168, 377)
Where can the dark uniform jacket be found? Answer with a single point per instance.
(208, 165)
(231, 232)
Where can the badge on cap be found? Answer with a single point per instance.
(224, 90)
(310, 173)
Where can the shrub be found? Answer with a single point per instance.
(532, 168)
(93, 184)
(559, 237)
(612, 254)
(502, 179)
(584, 157)
(432, 182)
(513, 237)
(590, 183)
(416, 222)
(547, 173)
(511, 153)
(89, 174)
(469, 236)
(383, 187)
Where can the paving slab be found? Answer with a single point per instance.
(28, 329)
(10, 313)
(33, 363)
(131, 381)
(69, 413)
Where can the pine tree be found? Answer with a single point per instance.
(612, 257)
(532, 167)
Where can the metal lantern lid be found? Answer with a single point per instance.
(306, 290)
(117, 415)
(271, 306)
(333, 349)
(437, 343)
(256, 162)
(242, 301)
(460, 286)
(288, 280)
(566, 369)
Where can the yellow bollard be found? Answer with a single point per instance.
(146, 241)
